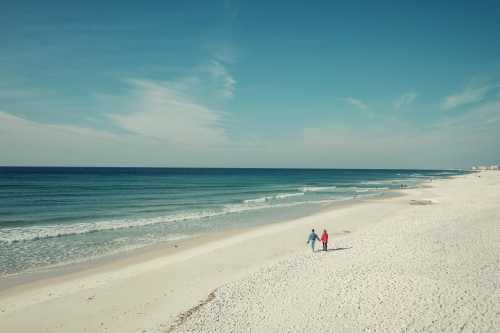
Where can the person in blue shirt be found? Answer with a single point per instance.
(313, 237)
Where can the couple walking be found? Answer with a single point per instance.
(313, 237)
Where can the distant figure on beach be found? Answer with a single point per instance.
(324, 240)
(312, 239)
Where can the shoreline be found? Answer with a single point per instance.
(154, 290)
(52, 274)
(431, 266)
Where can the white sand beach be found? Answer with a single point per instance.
(425, 261)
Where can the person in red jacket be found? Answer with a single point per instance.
(324, 240)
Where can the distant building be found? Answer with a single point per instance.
(486, 167)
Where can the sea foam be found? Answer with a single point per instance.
(318, 188)
(40, 232)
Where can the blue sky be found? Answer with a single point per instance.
(250, 83)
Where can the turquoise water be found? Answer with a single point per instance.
(52, 216)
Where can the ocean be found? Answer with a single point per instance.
(51, 216)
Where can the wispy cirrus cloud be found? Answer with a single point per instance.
(357, 103)
(26, 142)
(223, 78)
(157, 135)
(404, 100)
(484, 115)
(162, 111)
(168, 122)
(472, 93)
(159, 123)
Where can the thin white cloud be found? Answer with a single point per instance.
(18, 122)
(224, 79)
(470, 94)
(165, 123)
(158, 110)
(487, 113)
(484, 115)
(357, 103)
(156, 137)
(152, 122)
(404, 100)
(471, 141)
(25, 142)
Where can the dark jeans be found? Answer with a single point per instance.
(325, 246)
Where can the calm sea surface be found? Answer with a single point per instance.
(51, 216)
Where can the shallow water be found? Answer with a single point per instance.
(50, 216)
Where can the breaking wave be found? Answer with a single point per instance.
(40, 232)
(318, 188)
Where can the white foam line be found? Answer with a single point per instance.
(318, 188)
(20, 234)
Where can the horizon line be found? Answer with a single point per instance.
(229, 167)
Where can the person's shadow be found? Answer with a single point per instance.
(340, 249)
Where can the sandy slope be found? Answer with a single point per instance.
(414, 267)
(427, 268)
